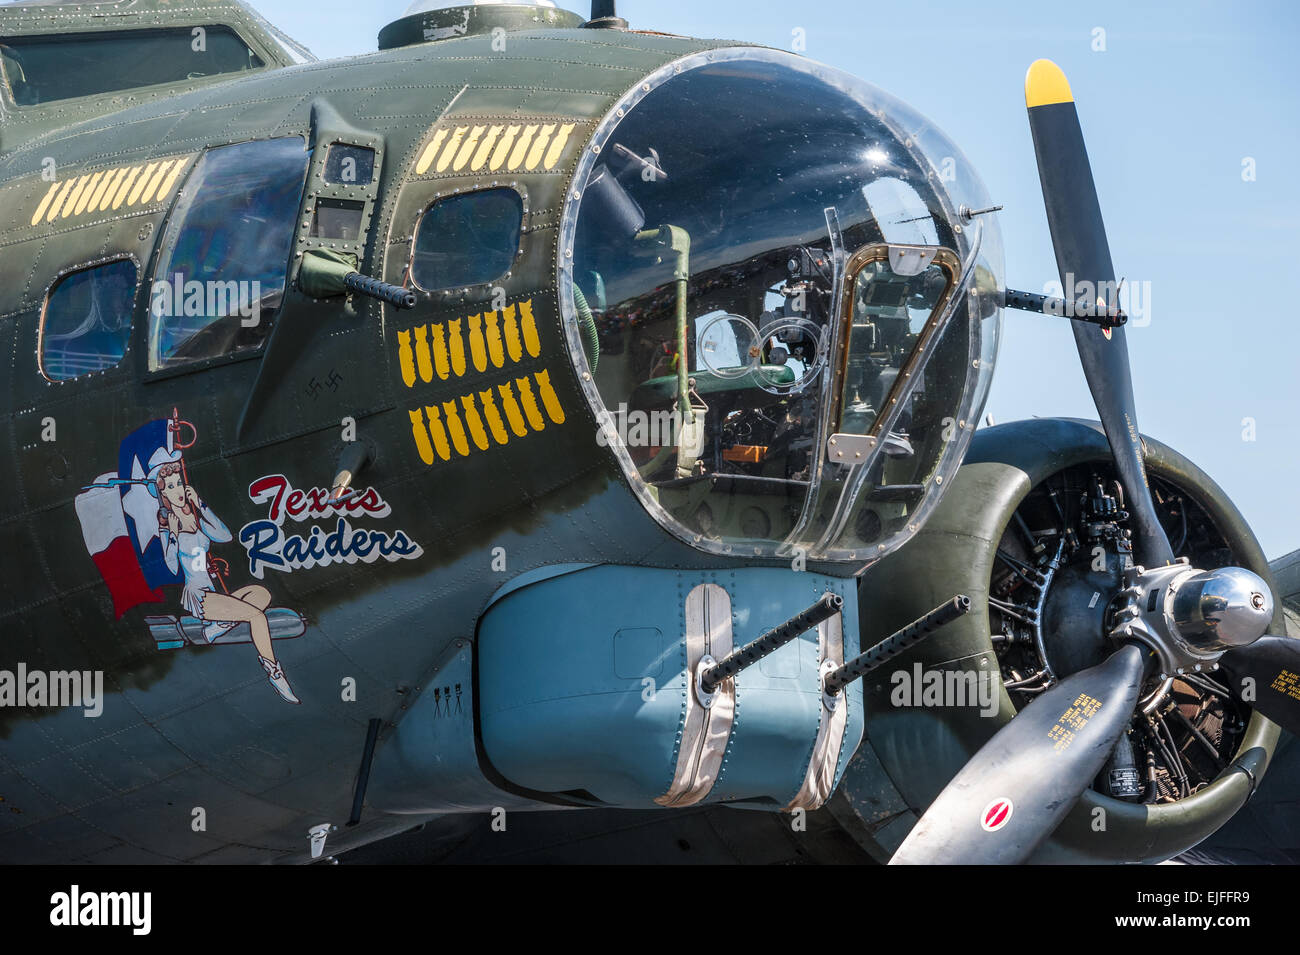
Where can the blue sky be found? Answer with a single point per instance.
(1182, 95)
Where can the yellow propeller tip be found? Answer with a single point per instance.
(1045, 84)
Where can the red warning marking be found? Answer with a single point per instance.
(996, 814)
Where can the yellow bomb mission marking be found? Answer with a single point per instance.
(484, 418)
(493, 336)
(453, 426)
(109, 189)
(526, 147)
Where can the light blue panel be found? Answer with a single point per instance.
(429, 763)
(777, 717)
(638, 652)
(563, 702)
(556, 713)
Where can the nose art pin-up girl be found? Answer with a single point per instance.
(188, 527)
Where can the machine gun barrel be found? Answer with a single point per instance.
(394, 295)
(827, 606)
(896, 643)
(1106, 317)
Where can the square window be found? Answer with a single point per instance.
(469, 239)
(86, 325)
(349, 165)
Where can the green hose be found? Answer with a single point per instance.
(590, 338)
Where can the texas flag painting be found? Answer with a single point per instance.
(119, 519)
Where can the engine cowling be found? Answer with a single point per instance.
(1000, 501)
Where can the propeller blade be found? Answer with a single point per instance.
(1083, 259)
(1273, 663)
(1016, 790)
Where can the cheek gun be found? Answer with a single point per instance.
(714, 675)
(325, 274)
(895, 644)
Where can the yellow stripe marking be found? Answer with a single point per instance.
(521, 147)
(58, 201)
(112, 189)
(165, 189)
(539, 147)
(467, 150)
(485, 149)
(93, 204)
(86, 193)
(1045, 84)
(153, 183)
(503, 148)
(74, 196)
(140, 184)
(557, 146)
(126, 186)
(449, 153)
(40, 210)
(430, 151)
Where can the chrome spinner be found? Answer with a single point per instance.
(1188, 617)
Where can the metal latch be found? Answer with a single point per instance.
(849, 448)
(910, 259)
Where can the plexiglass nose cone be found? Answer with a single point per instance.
(1228, 607)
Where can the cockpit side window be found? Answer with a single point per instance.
(13, 76)
(45, 69)
(86, 323)
(221, 271)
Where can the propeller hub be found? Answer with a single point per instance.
(1191, 617)
(1220, 609)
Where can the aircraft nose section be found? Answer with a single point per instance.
(1228, 607)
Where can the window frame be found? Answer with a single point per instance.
(6, 89)
(248, 354)
(441, 197)
(73, 102)
(942, 256)
(45, 306)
